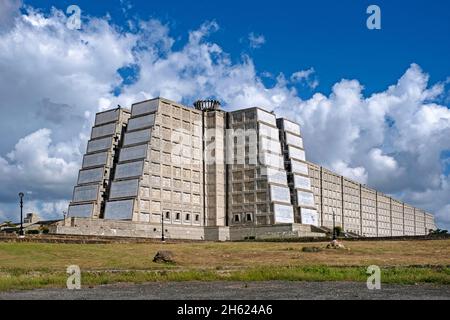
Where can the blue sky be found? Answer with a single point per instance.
(330, 36)
(373, 104)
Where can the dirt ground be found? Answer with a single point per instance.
(264, 290)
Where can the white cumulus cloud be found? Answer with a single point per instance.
(256, 41)
(9, 11)
(305, 77)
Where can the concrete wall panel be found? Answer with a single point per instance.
(104, 130)
(266, 117)
(301, 182)
(134, 153)
(305, 198)
(81, 211)
(299, 167)
(85, 193)
(268, 131)
(90, 176)
(309, 216)
(272, 160)
(123, 189)
(281, 194)
(275, 176)
(99, 144)
(296, 153)
(141, 122)
(94, 160)
(105, 117)
(266, 144)
(283, 214)
(291, 126)
(119, 210)
(137, 137)
(129, 170)
(294, 140)
(144, 107)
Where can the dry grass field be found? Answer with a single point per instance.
(33, 265)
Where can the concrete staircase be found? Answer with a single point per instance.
(308, 231)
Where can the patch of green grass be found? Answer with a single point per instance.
(19, 280)
(399, 275)
(37, 265)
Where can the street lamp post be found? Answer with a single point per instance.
(162, 228)
(334, 226)
(21, 233)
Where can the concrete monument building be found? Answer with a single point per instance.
(208, 174)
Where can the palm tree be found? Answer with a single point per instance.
(9, 224)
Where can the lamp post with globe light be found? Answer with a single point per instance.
(21, 233)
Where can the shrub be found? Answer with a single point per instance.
(338, 230)
(44, 230)
(437, 231)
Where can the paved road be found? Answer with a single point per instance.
(238, 290)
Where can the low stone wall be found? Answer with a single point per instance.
(279, 231)
(111, 228)
(217, 233)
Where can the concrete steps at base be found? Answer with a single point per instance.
(305, 231)
(128, 229)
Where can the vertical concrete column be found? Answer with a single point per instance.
(390, 213)
(321, 196)
(342, 204)
(360, 210)
(215, 170)
(376, 211)
(403, 207)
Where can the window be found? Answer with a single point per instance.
(237, 187)
(188, 217)
(167, 215)
(177, 216)
(236, 218)
(249, 217)
(237, 117)
(249, 174)
(197, 217)
(250, 115)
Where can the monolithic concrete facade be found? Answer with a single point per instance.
(258, 186)
(302, 196)
(363, 211)
(159, 170)
(215, 175)
(94, 179)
